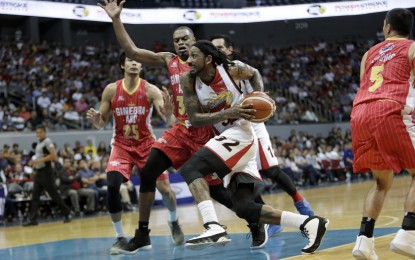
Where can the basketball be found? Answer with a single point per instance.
(263, 105)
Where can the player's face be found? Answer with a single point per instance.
(40, 134)
(182, 41)
(132, 67)
(196, 61)
(220, 45)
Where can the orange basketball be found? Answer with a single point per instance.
(262, 103)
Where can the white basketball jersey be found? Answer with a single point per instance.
(221, 94)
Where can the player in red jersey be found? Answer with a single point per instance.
(131, 101)
(176, 145)
(383, 129)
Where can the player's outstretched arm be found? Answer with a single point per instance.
(198, 118)
(100, 118)
(242, 71)
(143, 56)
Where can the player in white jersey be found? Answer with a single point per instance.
(266, 160)
(212, 98)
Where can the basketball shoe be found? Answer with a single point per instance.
(120, 242)
(304, 207)
(365, 248)
(274, 230)
(314, 228)
(214, 234)
(259, 235)
(177, 235)
(404, 243)
(140, 241)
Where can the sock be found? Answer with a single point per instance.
(367, 226)
(408, 222)
(293, 220)
(143, 225)
(297, 197)
(207, 211)
(173, 216)
(118, 228)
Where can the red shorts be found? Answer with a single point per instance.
(123, 158)
(381, 137)
(179, 143)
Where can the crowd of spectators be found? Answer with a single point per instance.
(80, 170)
(53, 84)
(80, 178)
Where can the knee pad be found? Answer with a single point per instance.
(248, 210)
(114, 180)
(192, 169)
(156, 164)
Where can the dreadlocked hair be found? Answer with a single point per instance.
(218, 57)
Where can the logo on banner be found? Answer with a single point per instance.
(80, 11)
(13, 6)
(192, 15)
(316, 9)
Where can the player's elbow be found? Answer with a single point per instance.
(195, 121)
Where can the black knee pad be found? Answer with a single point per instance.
(114, 180)
(248, 210)
(202, 163)
(156, 164)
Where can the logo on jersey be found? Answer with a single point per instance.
(222, 100)
(162, 140)
(174, 65)
(114, 163)
(120, 98)
(386, 49)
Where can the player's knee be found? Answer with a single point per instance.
(190, 171)
(148, 183)
(163, 187)
(248, 210)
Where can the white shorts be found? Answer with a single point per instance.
(237, 147)
(265, 156)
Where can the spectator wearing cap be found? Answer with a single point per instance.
(43, 101)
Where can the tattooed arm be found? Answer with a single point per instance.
(193, 106)
(242, 71)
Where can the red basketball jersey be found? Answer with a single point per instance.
(387, 74)
(176, 67)
(132, 114)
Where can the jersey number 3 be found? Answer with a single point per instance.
(376, 77)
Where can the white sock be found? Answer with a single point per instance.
(207, 211)
(294, 220)
(173, 216)
(118, 228)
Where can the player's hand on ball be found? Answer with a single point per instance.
(241, 111)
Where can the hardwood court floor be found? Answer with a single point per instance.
(91, 238)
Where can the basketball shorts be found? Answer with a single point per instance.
(181, 142)
(383, 136)
(265, 156)
(123, 158)
(237, 148)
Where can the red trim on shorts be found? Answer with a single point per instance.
(231, 162)
(262, 157)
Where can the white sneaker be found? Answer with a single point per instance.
(364, 248)
(214, 234)
(314, 228)
(404, 243)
